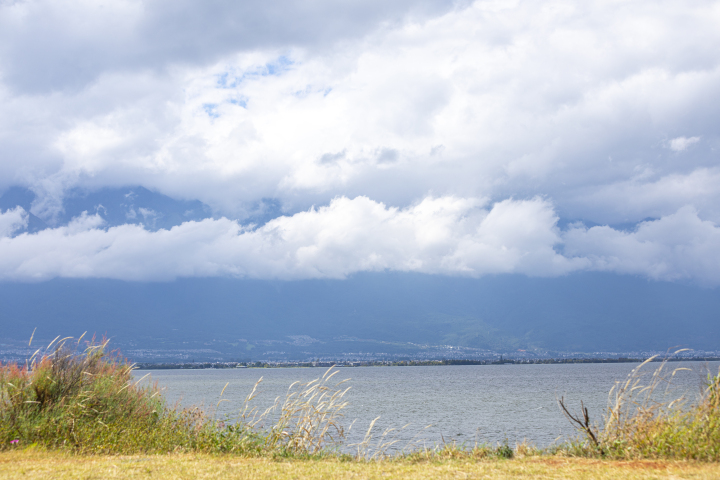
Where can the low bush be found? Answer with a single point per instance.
(87, 401)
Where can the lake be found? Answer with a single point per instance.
(467, 404)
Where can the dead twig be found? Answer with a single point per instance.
(583, 423)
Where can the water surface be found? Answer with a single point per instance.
(467, 404)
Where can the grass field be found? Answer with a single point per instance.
(56, 465)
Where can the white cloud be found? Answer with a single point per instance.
(388, 103)
(638, 198)
(524, 98)
(66, 44)
(12, 220)
(445, 235)
(678, 246)
(682, 143)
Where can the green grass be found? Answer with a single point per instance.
(84, 400)
(60, 465)
(87, 402)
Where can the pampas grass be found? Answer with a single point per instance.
(646, 419)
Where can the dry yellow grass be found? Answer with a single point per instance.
(56, 465)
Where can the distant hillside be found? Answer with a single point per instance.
(385, 312)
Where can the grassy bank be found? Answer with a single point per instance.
(70, 400)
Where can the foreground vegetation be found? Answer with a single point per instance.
(643, 421)
(68, 400)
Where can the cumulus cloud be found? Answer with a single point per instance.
(417, 104)
(12, 221)
(443, 235)
(469, 99)
(639, 197)
(682, 143)
(50, 45)
(679, 246)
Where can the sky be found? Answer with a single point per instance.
(444, 137)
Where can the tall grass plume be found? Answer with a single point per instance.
(646, 418)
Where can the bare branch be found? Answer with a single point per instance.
(581, 424)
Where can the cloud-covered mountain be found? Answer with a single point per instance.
(394, 314)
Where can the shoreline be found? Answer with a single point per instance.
(411, 363)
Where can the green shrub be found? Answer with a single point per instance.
(88, 402)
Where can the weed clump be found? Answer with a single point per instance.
(87, 401)
(641, 423)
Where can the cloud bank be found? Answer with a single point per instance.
(444, 235)
(391, 117)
